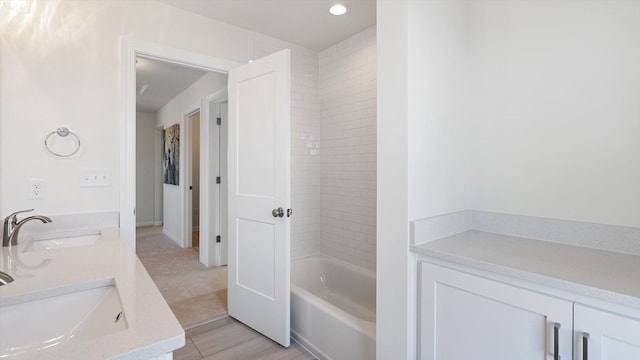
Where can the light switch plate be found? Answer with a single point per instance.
(95, 177)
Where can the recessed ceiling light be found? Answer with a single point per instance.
(337, 9)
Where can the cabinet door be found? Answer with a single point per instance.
(464, 317)
(600, 335)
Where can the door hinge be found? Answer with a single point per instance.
(219, 121)
(218, 239)
(218, 179)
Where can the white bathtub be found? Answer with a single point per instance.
(333, 308)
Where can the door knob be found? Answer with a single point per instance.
(279, 212)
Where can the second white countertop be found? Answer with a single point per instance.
(604, 275)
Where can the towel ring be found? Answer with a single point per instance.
(62, 132)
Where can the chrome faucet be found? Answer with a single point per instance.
(5, 278)
(12, 226)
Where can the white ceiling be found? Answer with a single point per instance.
(303, 22)
(164, 82)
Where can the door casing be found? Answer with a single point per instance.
(130, 50)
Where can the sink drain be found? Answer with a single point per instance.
(119, 316)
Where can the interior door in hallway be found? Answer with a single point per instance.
(259, 195)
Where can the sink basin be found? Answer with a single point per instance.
(38, 244)
(33, 327)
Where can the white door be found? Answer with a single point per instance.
(601, 335)
(463, 317)
(258, 172)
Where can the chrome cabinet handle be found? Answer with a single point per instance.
(279, 212)
(585, 346)
(556, 341)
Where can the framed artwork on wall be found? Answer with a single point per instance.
(171, 154)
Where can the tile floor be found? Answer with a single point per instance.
(195, 293)
(229, 339)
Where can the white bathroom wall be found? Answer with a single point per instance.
(555, 105)
(145, 168)
(539, 120)
(60, 66)
(305, 142)
(548, 92)
(438, 134)
(347, 93)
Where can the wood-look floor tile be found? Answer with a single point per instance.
(222, 338)
(250, 349)
(229, 339)
(201, 329)
(207, 306)
(294, 352)
(188, 352)
(194, 292)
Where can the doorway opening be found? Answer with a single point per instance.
(192, 175)
(178, 213)
(259, 126)
(193, 123)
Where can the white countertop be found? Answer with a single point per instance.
(152, 328)
(604, 275)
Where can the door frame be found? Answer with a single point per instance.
(187, 193)
(211, 253)
(130, 49)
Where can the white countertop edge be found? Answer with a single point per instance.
(155, 332)
(160, 348)
(547, 281)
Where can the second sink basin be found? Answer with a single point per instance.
(64, 240)
(32, 327)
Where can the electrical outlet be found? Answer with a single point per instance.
(36, 190)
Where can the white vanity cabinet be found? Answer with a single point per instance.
(465, 316)
(601, 335)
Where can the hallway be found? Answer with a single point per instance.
(195, 293)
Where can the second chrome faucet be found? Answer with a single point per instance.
(12, 226)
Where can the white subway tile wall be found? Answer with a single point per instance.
(333, 147)
(305, 140)
(347, 96)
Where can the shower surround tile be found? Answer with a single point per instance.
(305, 142)
(348, 172)
(333, 146)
